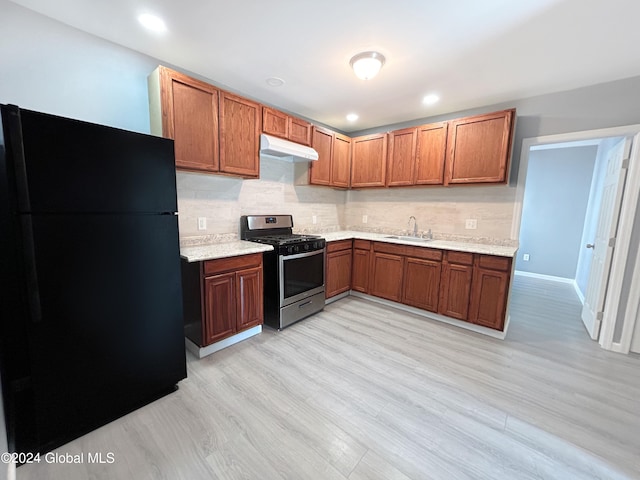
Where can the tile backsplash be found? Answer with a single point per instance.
(222, 200)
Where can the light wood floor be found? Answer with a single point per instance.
(362, 391)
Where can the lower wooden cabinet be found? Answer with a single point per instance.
(422, 283)
(386, 276)
(457, 274)
(338, 268)
(222, 297)
(361, 260)
(489, 290)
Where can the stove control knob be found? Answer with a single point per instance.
(306, 246)
(289, 249)
(296, 249)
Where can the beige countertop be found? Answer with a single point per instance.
(198, 253)
(212, 251)
(487, 249)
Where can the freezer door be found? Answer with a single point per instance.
(67, 166)
(109, 337)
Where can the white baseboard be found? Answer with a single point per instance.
(578, 292)
(544, 277)
(434, 316)
(551, 278)
(201, 352)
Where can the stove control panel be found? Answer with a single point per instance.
(302, 247)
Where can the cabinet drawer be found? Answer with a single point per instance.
(389, 248)
(425, 253)
(461, 258)
(494, 263)
(338, 245)
(362, 244)
(221, 265)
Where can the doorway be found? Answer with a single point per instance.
(617, 330)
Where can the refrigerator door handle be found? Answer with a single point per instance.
(31, 273)
(19, 164)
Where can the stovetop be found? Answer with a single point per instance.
(284, 239)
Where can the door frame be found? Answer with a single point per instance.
(628, 213)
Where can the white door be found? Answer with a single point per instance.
(604, 242)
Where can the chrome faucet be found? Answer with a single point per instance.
(415, 226)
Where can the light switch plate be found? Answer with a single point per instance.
(202, 223)
(525, 257)
(364, 219)
(314, 219)
(471, 224)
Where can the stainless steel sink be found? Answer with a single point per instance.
(408, 238)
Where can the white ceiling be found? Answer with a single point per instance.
(470, 52)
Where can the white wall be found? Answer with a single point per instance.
(554, 208)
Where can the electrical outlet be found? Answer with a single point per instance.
(471, 224)
(202, 223)
(364, 219)
(314, 219)
(525, 257)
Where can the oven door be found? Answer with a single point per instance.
(301, 276)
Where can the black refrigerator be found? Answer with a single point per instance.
(91, 302)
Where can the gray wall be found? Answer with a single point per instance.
(554, 209)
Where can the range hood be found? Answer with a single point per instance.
(281, 149)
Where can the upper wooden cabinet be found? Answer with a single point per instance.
(239, 135)
(417, 155)
(186, 110)
(479, 147)
(334, 158)
(213, 130)
(401, 160)
(282, 125)
(430, 154)
(341, 161)
(320, 170)
(369, 160)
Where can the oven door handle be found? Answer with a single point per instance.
(302, 255)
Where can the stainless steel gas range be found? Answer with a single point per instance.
(293, 271)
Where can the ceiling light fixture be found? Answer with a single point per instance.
(352, 117)
(366, 65)
(152, 22)
(430, 99)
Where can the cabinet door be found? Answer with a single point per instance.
(338, 273)
(455, 288)
(220, 307)
(478, 148)
(386, 276)
(190, 118)
(401, 158)
(249, 298)
(430, 154)
(275, 123)
(421, 283)
(239, 135)
(320, 170)
(489, 297)
(341, 161)
(360, 274)
(369, 160)
(299, 131)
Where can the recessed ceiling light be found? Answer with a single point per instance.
(430, 99)
(352, 117)
(275, 81)
(152, 22)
